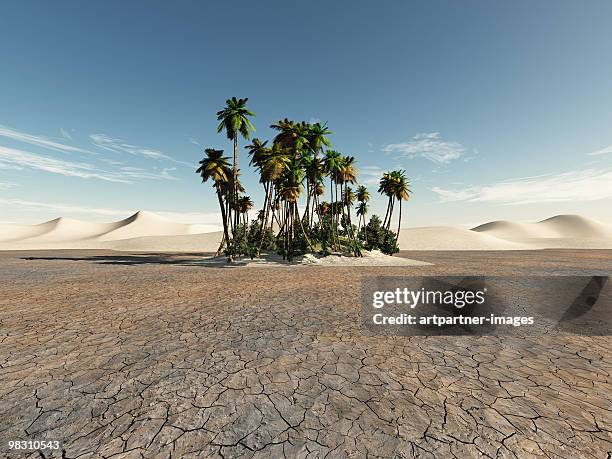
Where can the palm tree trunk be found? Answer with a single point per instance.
(264, 223)
(332, 220)
(265, 203)
(307, 211)
(235, 189)
(391, 213)
(302, 226)
(399, 223)
(220, 246)
(315, 207)
(224, 217)
(228, 213)
(387, 213)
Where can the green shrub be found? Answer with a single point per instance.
(374, 237)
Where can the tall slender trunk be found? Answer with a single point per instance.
(221, 244)
(307, 210)
(228, 213)
(390, 214)
(332, 221)
(265, 203)
(399, 223)
(296, 210)
(235, 191)
(387, 212)
(224, 217)
(274, 213)
(317, 208)
(315, 205)
(350, 231)
(264, 223)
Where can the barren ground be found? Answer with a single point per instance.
(128, 355)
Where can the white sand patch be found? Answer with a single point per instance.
(373, 258)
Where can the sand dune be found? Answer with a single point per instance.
(202, 242)
(560, 226)
(145, 231)
(448, 238)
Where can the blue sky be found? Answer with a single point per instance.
(494, 109)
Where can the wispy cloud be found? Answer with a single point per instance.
(604, 151)
(18, 159)
(7, 185)
(194, 141)
(430, 146)
(119, 146)
(60, 209)
(10, 167)
(584, 185)
(39, 141)
(65, 134)
(23, 159)
(370, 175)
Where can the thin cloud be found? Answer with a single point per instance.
(59, 209)
(13, 158)
(7, 185)
(62, 209)
(604, 151)
(430, 146)
(370, 175)
(119, 146)
(40, 141)
(65, 134)
(584, 185)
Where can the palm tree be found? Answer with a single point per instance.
(290, 189)
(348, 174)
(286, 129)
(259, 155)
(362, 210)
(332, 164)
(348, 198)
(363, 197)
(258, 152)
(317, 140)
(271, 171)
(234, 119)
(317, 137)
(244, 206)
(214, 166)
(313, 168)
(401, 192)
(396, 187)
(387, 184)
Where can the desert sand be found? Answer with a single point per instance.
(146, 231)
(158, 355)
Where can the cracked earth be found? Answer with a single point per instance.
(149, 356)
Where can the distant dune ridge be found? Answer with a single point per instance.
(146, 231)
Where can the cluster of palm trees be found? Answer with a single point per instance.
(296, 163)
(395, 186)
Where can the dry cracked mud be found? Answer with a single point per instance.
(131, 356)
